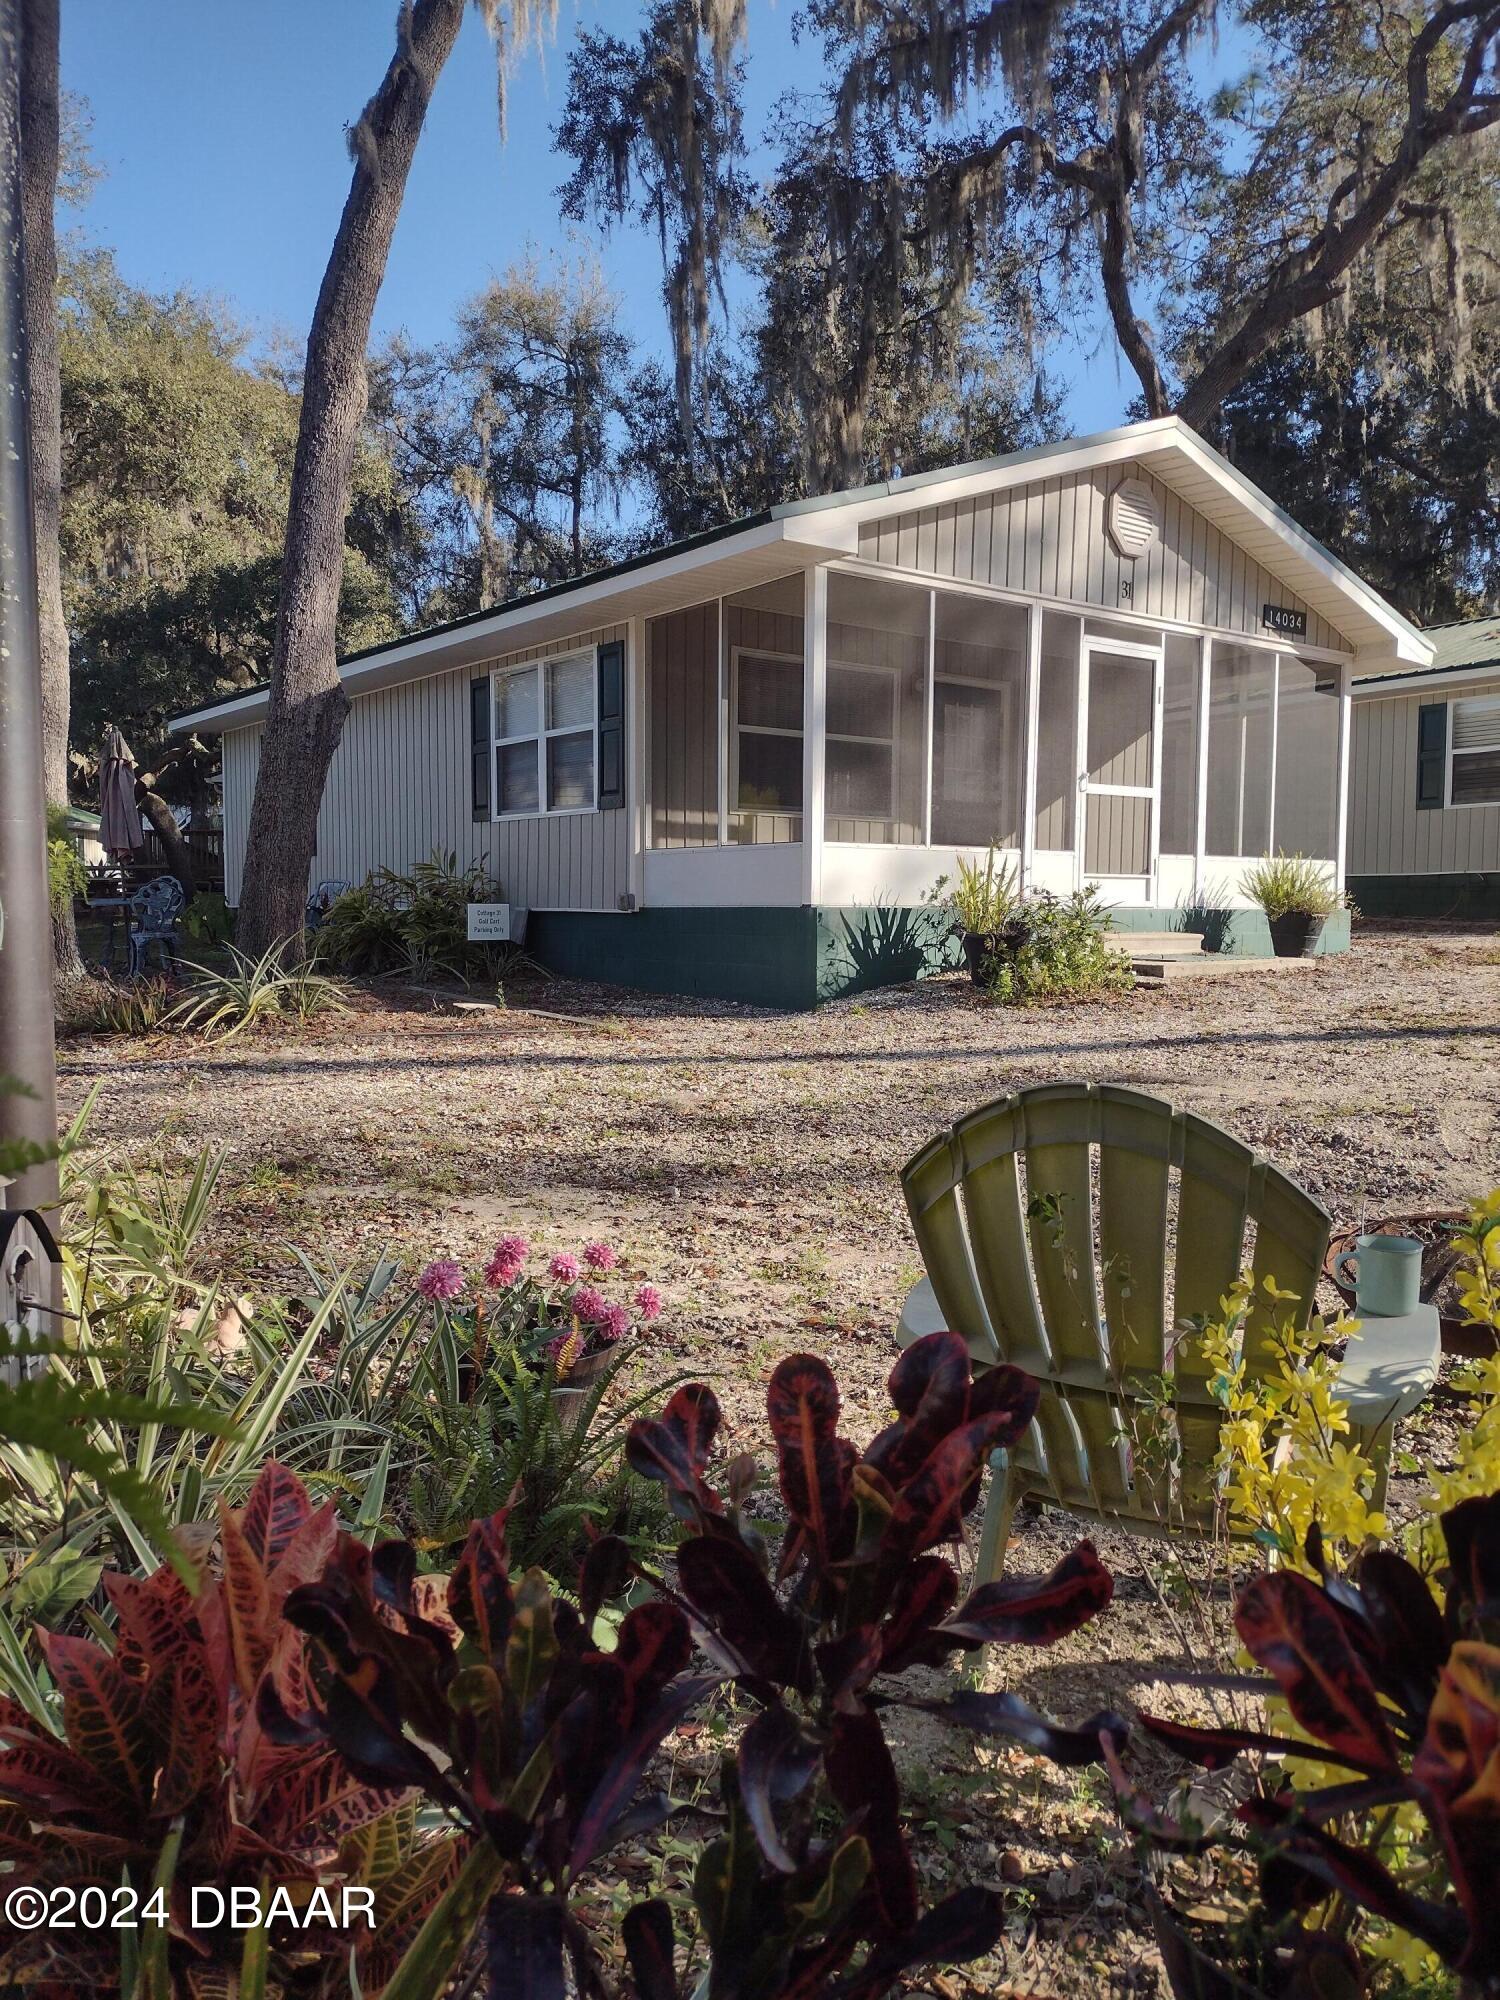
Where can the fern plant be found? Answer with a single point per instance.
(563, 1477)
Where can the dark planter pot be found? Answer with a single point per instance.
(572, 1393)
(978, 946)
(1296, 934)
(983, 948)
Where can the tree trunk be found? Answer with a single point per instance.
(167, 831)
(308, 703)
(39, 151)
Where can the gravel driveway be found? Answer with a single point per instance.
(747, 1163)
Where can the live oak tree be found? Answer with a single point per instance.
(307, 706)
(40, 132)
(177, 456)
(509, 436)
(1078, 140)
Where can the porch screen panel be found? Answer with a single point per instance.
(1307, 758)
(683, 651)
(978, 721)
(1117, 838)
(764, 672)
(1119, 727)
(1179, 745)
(875, 742)
(1057, 733)
(1239, 750)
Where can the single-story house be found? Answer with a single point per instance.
(738, 766)
(1424, 820)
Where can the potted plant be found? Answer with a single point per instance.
(987, 911)
(559, 1317)
(1298, 895)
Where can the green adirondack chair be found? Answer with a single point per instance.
(1066, 1229)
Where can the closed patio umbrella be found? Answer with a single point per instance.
(119, 817)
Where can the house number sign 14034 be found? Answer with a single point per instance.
(1281, 618)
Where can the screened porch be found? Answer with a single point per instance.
(881, 726)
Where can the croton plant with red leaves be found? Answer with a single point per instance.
(1403, 1693)
(162, 1752)
(292, 1713)
(862, 1589)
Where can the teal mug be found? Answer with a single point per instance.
(1388, 1281)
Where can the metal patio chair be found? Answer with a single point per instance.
(1003, 1206)
(154, 910)
(322, 900)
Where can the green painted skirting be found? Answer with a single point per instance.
(766, 957)
(1437, 897)
(799, 958)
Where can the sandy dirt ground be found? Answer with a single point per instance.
(746, 1162)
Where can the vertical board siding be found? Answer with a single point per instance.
(1387, 833)
(1049, 539)
(682, 654)
(398, 788)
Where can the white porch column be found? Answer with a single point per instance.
(638, 742)
(814, 726)
(1032, 739)
(929, 710)
(1341, 793)
(722, 735)
(1200, 803)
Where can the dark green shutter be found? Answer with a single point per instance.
(480, 749)
(611, 726)
(1432, 754)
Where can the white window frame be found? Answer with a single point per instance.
(542, 668)
(892, 676)
(731, 803)
(1451, 804)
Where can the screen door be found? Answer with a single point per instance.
(1121, 784)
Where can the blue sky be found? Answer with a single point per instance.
(219, 125)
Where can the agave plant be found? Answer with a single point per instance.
(220, 1005)
(1403, 1694)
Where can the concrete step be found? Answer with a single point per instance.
(1156, 970)
(1160, 944)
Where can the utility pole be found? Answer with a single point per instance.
(27, 1050)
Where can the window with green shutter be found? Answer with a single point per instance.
(1432, 755)
(611, 726)
(1476, 751)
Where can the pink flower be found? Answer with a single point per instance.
(648, 1302)
(565, 1267)
(616, 1323)
(599, 1257)
(588, 1304)
(442, 1280)
(504, 1266)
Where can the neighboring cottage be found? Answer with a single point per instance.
(1424, 819)
(737, 767)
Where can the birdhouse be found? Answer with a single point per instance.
(30, 1279)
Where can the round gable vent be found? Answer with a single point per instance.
(1134, 518)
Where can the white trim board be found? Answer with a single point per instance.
(807, 532)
